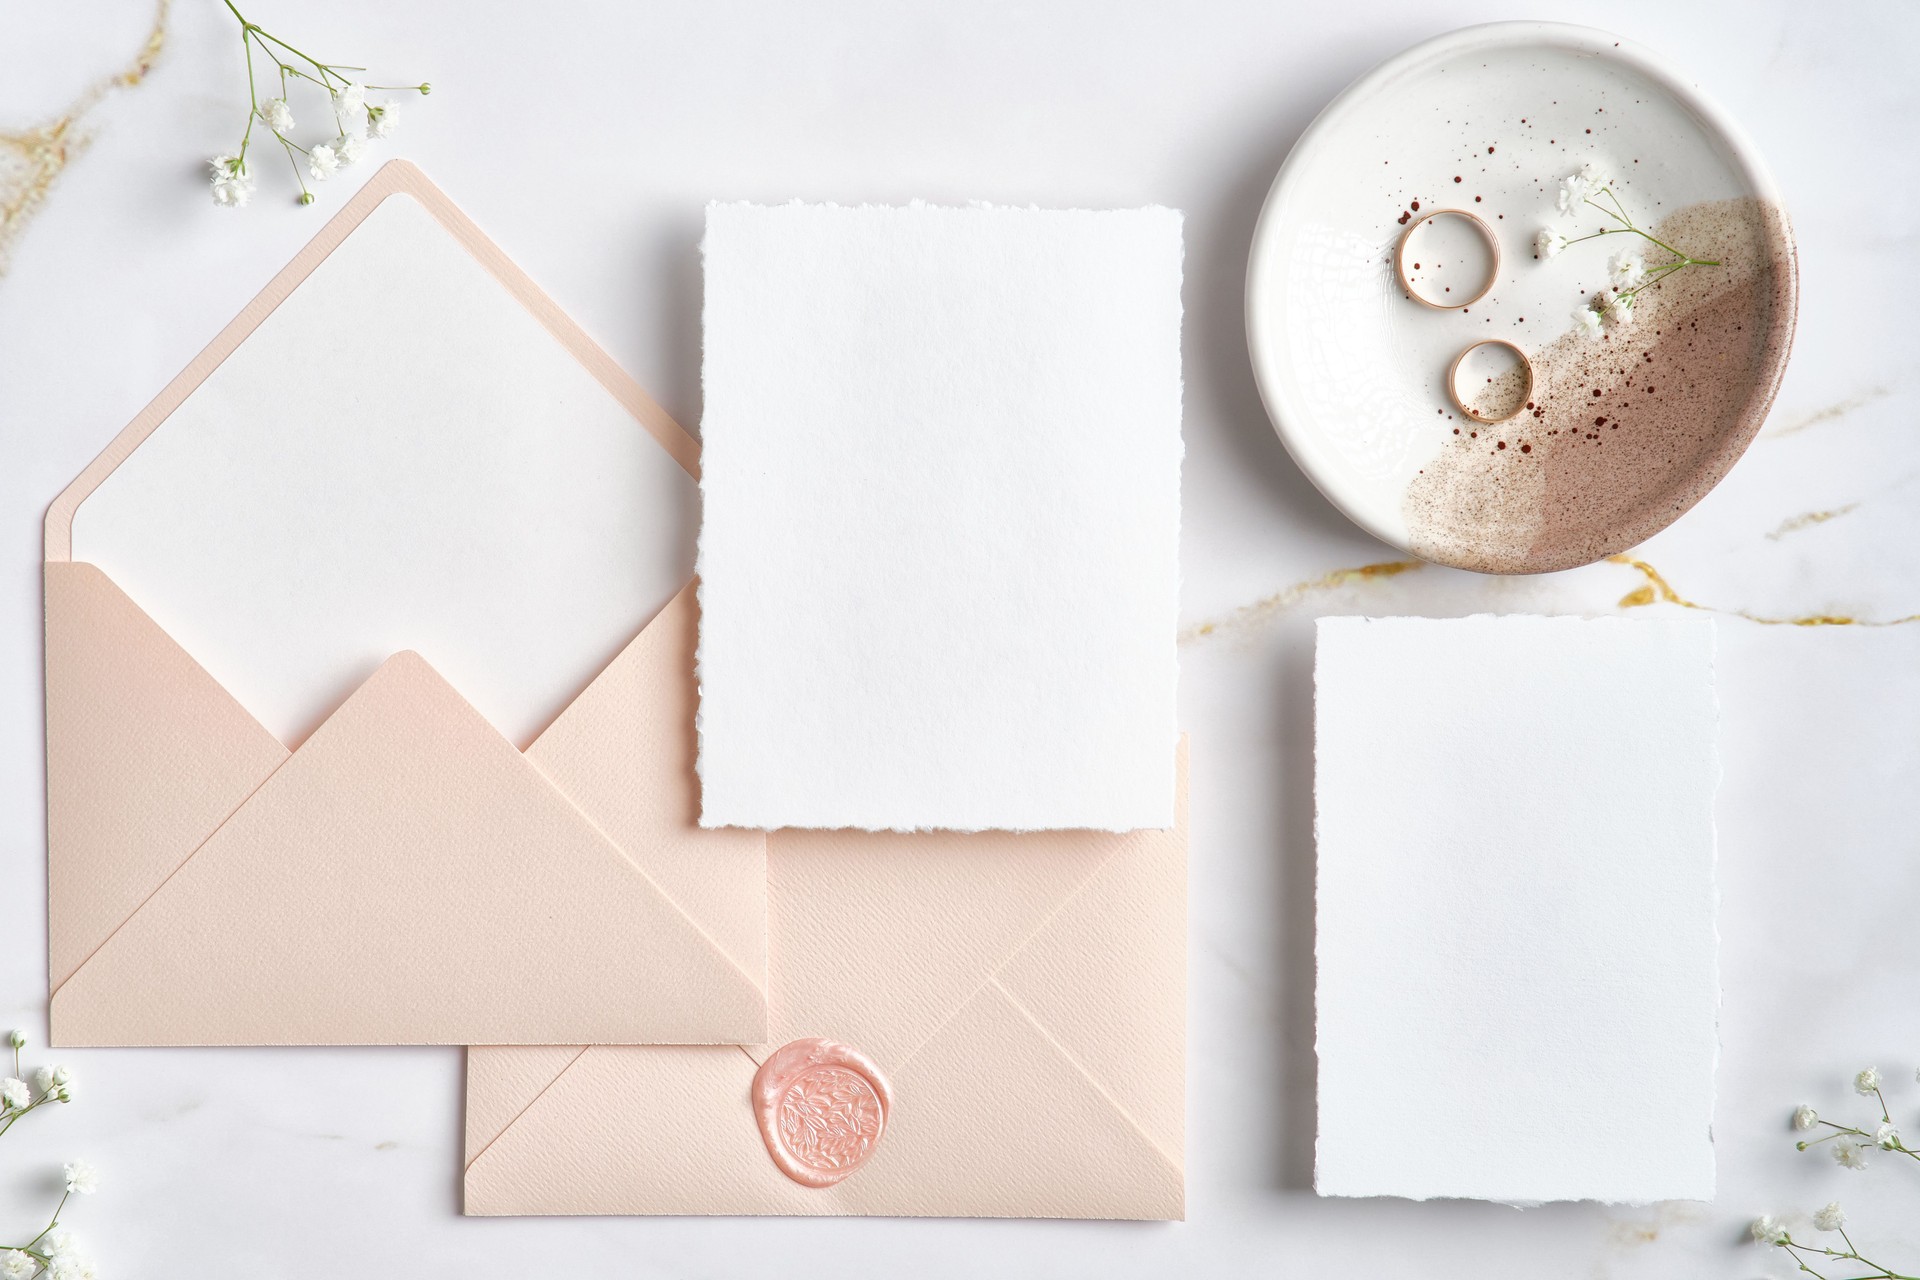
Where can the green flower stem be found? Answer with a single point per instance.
(35, 1105)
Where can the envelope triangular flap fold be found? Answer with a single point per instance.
(637, 1129)
(1106, 977)
(146, 756)
(1016, 1131)
(407, 877)
(503, 1083)
(879, 937)
(922, 951)
(623, 752)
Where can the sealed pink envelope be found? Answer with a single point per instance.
(296, 637)
(1004, 1017)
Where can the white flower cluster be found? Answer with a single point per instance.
(1615, 307)
(355, 120)
(232, 184)
(56, 1082)
(1580, 186)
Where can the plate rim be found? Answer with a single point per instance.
(1262, 321)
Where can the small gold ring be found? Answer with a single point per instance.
(1453, 381)
(1486, 234)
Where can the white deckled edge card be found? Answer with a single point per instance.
(1518, 981)
(941, 486)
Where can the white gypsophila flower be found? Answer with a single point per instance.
(61, 1073)
(1867, 1082)
(1620, 310)
(1805, 1117)
(349, 147)
(1593, 176)
(18, 1039)
(1548, 243)
(16, 1265)
(349, 100)
(1887, 1138)
(1849, 1154)
(1831, 1218)
(71, 1265)
(82, 1177)
(323, 162)
(1629, 268)
(43, 1078)
(15, 1093)
(381, 120)
(277, 114)
(1572, 192)
(1586, 322)
(232, 184)
(1768, 1229)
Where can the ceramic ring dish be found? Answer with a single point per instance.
(1627, 427)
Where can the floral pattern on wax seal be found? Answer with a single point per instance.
(822, 1107)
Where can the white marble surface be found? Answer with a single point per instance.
(586, 138)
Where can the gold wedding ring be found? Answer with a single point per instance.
(1453, 382)
(1486, 234)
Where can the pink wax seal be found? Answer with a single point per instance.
(822, 1107)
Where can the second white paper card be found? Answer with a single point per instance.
(939, 557)
(1518, 986)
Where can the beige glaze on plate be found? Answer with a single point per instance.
(1353, 371)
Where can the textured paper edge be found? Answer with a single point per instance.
(983, 206)
(1713, 867)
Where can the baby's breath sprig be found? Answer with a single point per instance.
(1631, 274)
(1850, 1146)
(56, 1253)
(1769, 1230)
(1852, 1142)
(18, 1097)
(355, 119)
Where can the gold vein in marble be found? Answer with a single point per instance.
(1260, 610)
(1658, 590)
(32, 159)
(1810, 519)
(1828, 414)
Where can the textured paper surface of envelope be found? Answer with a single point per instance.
(406, 875)
(939, 550)
(300, 919)
(1518, 988)
(1025, 995)
(399, 457)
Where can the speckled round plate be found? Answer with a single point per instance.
(1627, 427)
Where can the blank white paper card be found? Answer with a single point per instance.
(1518, 989)
(941, 506)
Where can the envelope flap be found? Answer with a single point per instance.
(407, 877)
(503, 1082)
(991, 1120)
(638, 1129)
(1106, 978)
(882, 936)
(146, 756)
(623, 752)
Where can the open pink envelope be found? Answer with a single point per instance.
(1024, 995)
(406, 875)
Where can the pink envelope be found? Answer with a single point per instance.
(1024, 995)
(406, 875)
